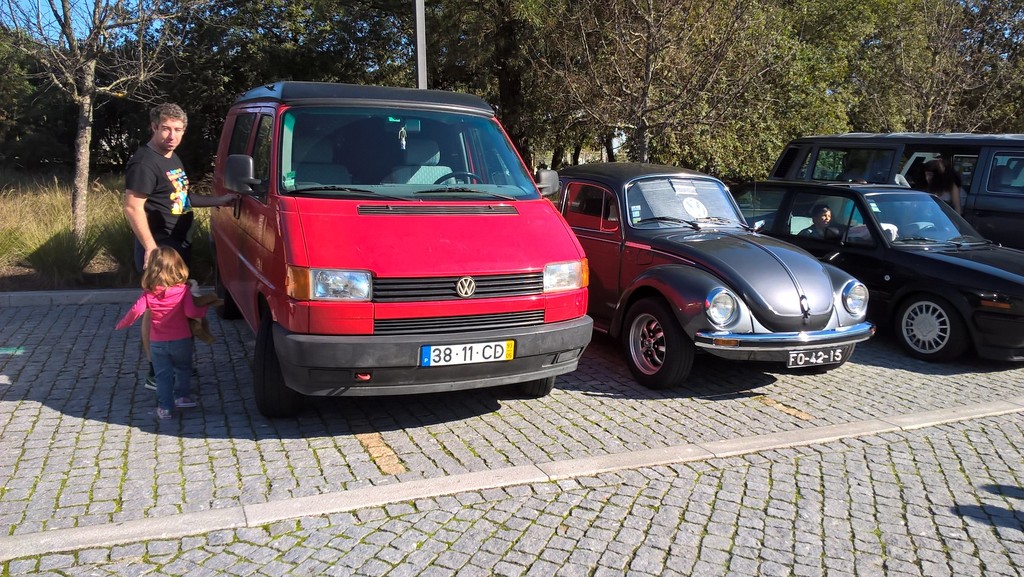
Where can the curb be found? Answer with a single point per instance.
(197, 523)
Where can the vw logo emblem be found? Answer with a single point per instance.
(465, 287)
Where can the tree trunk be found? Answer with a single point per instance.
(80, 188)
(557, 156)
(609, 147)
(510, 71)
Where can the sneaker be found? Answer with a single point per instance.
(184, 402)
(150, 382)
(163, 414)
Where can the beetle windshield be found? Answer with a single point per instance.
(920, 218)
(674, 201)
(399, 153)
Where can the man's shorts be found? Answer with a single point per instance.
(182, 247)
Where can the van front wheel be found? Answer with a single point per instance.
(537, 389)
(273, 397)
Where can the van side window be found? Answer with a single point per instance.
(239, 143)
(261, 155)
(1006, 174)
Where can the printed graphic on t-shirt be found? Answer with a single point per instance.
(179, 198)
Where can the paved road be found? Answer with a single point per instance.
(884, 466)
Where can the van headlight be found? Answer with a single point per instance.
(855, 297)
(721, 307)
(563, 276)
(324, 284)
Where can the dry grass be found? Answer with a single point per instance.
(36, 239)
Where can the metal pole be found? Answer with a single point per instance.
(421, 47)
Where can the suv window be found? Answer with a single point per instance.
(1007, 173)
(240, 134)
(853, 164)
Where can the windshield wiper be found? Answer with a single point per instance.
(724, 220)
(464, 189)
(348, 189)
(690, 223)
(916, 239)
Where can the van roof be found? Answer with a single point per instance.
(291, 92)
(857, 138)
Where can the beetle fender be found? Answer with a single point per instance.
(683, 287)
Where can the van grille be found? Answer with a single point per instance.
(388, 290)
(446, 325)
(430, 210)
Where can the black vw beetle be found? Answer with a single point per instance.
(674, 268)
(933, 278)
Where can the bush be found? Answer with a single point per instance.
(61, 259)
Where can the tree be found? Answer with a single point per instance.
(87, 49)
(656, 70)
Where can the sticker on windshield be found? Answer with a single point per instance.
(694, 207)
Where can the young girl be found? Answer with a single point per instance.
(166, 295)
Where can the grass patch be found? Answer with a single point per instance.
(35, 231)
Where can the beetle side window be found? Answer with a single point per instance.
(591, 207)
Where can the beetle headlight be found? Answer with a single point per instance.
(324, 284)
(855, 297)
(563, 276)
(721, 307)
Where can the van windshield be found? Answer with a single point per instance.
(399, 153)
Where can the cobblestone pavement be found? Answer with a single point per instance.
(79, 448)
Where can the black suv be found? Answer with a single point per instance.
(991, 166)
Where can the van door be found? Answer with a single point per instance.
(226, 234)
(256, 220)
(996, 205)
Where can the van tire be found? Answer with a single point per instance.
(929, 328)
(538, 388)
(228, 310)
(273, 397)
(658, 352)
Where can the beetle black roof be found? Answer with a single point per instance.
(618, 173)
(896, 138)
(291, 92)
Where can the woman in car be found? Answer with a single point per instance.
(944, 182)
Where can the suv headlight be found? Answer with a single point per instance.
(324, 284)
(855, 297)
(721, 307)
(563, 276)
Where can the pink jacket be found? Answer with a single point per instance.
(171, 308)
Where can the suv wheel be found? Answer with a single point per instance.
(658, 352)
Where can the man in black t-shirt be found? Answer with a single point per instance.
(156, 201)
(156, 197)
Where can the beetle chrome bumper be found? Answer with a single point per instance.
(723, 341)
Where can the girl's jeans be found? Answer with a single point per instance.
(172, 367)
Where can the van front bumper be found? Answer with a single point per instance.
(324, 365)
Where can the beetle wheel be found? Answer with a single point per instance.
(658, 352)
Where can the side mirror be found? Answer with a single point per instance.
(239, 174)
(547, 182)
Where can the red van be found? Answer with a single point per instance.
(391, 241)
